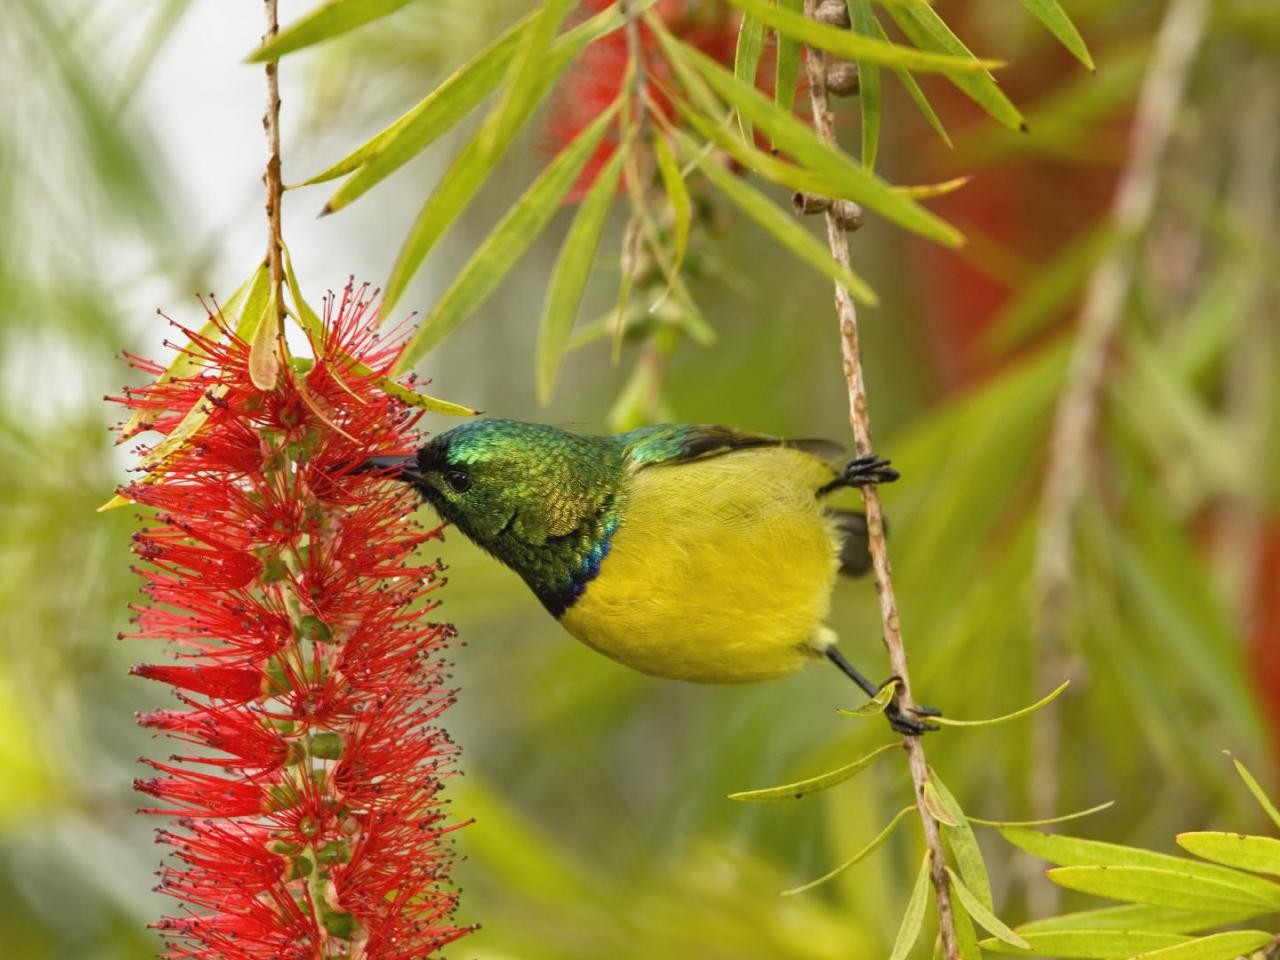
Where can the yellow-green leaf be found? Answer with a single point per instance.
(938, 807)
(863, 21)
(1137, 916)
(787, 63)
(507, 242)
(964, 845)
(983, 915)
(913, 917)
(851, 46)
(1259, 854)
(1217, 946)
(866, 851)
(1163, 887)
(264, 361)
(1045, 701)
(1089, 944)
(1256, 789)
(782, 225)
(1051, 14)
(681, 203)
(799, 141)
(1045, 822)
(325, 22)
(570, 275)
(824, 781)
(746, 60)
(923, 27)
(876, 705)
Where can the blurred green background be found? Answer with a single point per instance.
(129, 162)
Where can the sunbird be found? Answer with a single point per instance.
(687, 551)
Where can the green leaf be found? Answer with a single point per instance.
(863, 21)
(876, 705)
(1256, 789)
(681, 203)
(327, 21)
(1258, 854)
(866, 851)
(1045, 701)
(824, 781)
(1218, 946)
(937, 807)
(799, 141)
(964, 845)
(264, 361)
(783, 227)
(983, 915)
(1073, 852)
(572, 270)
(507, 242)
(1052, 16)
(1043, 823)
(966, 936)
(787, 63)
(746, 60)
(913, 917)
(461, 181)
(850, 46)
(1089, 944)
(1163, 887)
(926, 30)
(1136, 916)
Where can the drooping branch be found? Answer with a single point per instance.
(1158, 101)
(860, 422)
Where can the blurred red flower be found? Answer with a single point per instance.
(309, 677)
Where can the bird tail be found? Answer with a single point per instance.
(855, 547)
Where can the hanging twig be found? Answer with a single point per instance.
(824, 124)
(271, 178)
(1161, 94)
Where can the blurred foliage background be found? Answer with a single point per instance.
(128, 180)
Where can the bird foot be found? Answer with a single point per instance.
(867, 469)
(907, 722)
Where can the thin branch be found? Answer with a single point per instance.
(271, 178)
(860, 422)
(1160, 96)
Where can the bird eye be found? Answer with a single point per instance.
(457, 480)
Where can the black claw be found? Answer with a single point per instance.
(926, 711)
(905, 724)
(868, 469)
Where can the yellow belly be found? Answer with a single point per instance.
(721, 571)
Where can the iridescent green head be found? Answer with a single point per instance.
(541, 500)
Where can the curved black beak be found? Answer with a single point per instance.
(403, 468)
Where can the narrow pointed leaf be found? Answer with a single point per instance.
(863, 21)
(851, 46)
(862, 854)
(1163, 887)
(746, 60)
(964, 845)
(681, 203)
(913, 918)
(1137, 916)
(799, 141)
(327, 21)
(923, 191)
(824, 781)
(926, 30)
(1089, 944)
(264, 361)
(1217, 946)
(571, 273)
(938, 807)
(876, 705)
(1051, 14)
(784, 228)
(437, 112)
(1045, 701)
(1256, 789)
(966, 936)
(1258, 854)
(507, 242)
(1047, 821)
(982, 914)
(787, 63)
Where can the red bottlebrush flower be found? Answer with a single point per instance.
(308, 682)
(594, 81)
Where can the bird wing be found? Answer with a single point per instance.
(667, 443)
